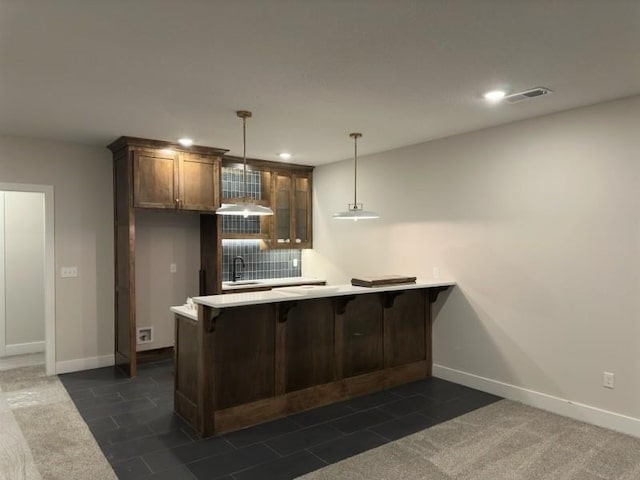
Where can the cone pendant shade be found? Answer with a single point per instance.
(355, 211)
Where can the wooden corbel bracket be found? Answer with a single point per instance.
(340, 303)
(387, 299)
(283, 310)
(434, 292)
(211, 316)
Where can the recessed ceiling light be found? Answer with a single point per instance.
(185, 142)
(494, 95)
(284, 156)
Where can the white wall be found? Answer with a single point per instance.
(163, 238)
(23, 232)
(537, 221)
(83, 190)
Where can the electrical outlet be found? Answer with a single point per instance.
(173, 268)
(608, 380)
(295, 262)
(69, 272)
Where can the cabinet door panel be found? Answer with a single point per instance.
(310, 344)
(363, 335)
(283, 210)
(155, 180)
(199, 183)
(408, 323)
(244, 351)
(302, 201)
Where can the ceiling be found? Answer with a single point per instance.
(400, 71)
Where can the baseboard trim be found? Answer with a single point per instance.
(24, 348)
(88, 363)
(561, 406)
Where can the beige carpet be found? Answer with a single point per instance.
(42, 435)
(503, 441)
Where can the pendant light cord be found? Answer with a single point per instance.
(355, 172)
(244, 155)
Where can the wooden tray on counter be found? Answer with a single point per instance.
(382, 281)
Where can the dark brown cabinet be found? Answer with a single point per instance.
(363, 335)
(286, 188)
(170, 180)
(233, 191)
(155, 179)
(291, 210)
(159, 175)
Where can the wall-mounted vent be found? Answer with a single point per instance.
(527, 95)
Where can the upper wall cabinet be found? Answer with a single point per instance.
(292, 210)
(286, 188)
(155, 179)
(175, 180)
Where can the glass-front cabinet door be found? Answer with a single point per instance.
(302, 202)
(292, 210)
(282, 210)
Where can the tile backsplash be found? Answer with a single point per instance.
(233, 183)
(233, 187)
(259, 264)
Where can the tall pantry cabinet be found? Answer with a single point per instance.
(158, 175)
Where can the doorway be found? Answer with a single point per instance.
(27, 304)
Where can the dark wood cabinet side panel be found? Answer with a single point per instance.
(363, 335)
(407, 318)
(123, 260)
(121, 187)
(186, 374)
(244, 355)
(310, 344)
(210, 255)
(123, 338)
(124, 242)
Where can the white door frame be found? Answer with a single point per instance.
(3, 304)
(49, 269)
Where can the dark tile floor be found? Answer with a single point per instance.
(134, 424)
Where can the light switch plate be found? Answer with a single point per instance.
(69, 272)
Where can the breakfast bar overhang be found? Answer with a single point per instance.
(251, 357)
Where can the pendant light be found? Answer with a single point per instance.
(355, 211)
(245, 208)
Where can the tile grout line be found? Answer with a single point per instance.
(319, 458)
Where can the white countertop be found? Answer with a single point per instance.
(269, 282)
(305, 292)
(186, 311)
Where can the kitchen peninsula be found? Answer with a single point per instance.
(247, 358)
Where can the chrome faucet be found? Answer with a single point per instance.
(235, 273)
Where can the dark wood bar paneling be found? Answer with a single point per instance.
(244, 354)
(309, 344)
(363, 329)
(259, 362)
(407, 330)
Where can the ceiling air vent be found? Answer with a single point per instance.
(527, 95)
